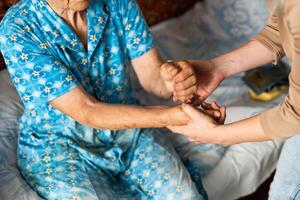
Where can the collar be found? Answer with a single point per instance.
(63, 35)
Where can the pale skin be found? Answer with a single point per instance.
(175, 79)
(202, 128)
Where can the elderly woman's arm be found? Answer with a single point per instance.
(153, 76)
(86, 110)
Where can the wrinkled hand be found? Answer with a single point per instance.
(180, 80)
(201, 128)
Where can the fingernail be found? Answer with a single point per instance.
(217, 114)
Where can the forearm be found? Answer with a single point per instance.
(158, 87)
(247, 130)
(114, 117)
(147, 68)
(251, 55)
(85, 109)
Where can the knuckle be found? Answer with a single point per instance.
(193, 80)
(190, 68)
(194, 89)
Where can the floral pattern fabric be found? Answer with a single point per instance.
(59, 157)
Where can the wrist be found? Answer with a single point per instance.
(223, 137)
(175, 116)
(225, 66)
(215, 66)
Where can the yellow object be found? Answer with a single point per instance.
(268, 96)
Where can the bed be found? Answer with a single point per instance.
(217, 26)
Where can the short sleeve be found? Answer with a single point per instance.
(38, 76)
(138, 37)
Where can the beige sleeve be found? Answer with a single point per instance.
(284, 121)
(270, 38)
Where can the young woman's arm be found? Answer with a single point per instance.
(204, 129)
(210, 73)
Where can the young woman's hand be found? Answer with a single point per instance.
(218, 113)
(209, 76)
(180, 79)
(203, 123)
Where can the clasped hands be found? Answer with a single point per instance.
(191, 84)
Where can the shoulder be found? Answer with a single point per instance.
(15, 18)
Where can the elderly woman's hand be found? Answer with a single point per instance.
(202, 126)
(180, 79)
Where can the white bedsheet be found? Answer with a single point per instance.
(206, 31)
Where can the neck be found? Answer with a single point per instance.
(64, 5)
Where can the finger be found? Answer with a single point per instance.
(207, 106)
(189, 99)
(186, 71)
(203, 93)
(169, 71)
(215, 106)
(191, 111)
(175, 98)
(185, 93)
(190, 81)
(185, 99)
(174, 129)
(216, 115)
(197, 101)
(223, 115)
(183, 75)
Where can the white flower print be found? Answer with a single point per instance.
(100, 20)
(93, 38)
(27, 29)
(13, 38)
(43, 46)
(128, 27)
(137, 41)
(24, 56)
(74, 42)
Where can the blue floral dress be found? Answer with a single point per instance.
(59, 157)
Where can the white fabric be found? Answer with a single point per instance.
(208, 30)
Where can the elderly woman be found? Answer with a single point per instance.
(280, 37)
(80, 135)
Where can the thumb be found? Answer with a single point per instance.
(191, 111)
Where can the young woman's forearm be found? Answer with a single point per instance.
(247, 130)
(251, 55)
